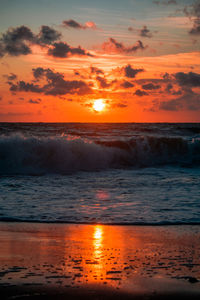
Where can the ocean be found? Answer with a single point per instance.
(123, 173)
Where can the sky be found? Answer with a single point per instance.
(139, 58)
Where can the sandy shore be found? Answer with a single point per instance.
(56, 261)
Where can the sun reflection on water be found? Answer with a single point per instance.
(98, 236)
(98, 252)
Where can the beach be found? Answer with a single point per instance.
(65, 261)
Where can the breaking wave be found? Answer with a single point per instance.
(34, 155)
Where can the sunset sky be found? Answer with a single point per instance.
(140, 58)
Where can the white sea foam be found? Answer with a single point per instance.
(38, 155)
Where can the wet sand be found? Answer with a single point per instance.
(57, 261)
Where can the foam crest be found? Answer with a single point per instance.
(34, 155)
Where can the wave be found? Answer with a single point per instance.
(35, 155)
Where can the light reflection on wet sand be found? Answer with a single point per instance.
(113, 256)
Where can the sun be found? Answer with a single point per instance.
(98, 105)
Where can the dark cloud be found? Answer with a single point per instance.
(141, 93)
(2, 50)
(95, 70)
(130, 28)
(77, 73)
(63, 50)
(193, 12)
(102, 82)
(17, 41)
(127, 84)
(176, 92)
(90, 105)
(166, 76)
(169, 89)
(47, 35)
(150, 86)
(39, 72)
(60, 49)
(55, 84)
(119, 105)
(145, 32)
(23, 86)
(196, 27)
(189, 101)
(11, 76)
(188, 79)
(36, 101)
(13, 42)
(151, 80)
(172, 105)
(112, 46)
(74, 24)
(131, 72)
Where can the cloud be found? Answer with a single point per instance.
(127, 84)
(141, 93)
(17, 41)
(90, 25)
(188, 79)
(36, 101)
(145, 32)
(119, 105)
(13, 41)
(150, 86)
(63, 50)
(102, 82)
(47, 35)
(131, 72)
(74, 24)
(172, 105)
(130, 28)
(193, 12)
(23, 86)
(169, 89)
(112, 46)
(189, 101)
(11, 76)
(55, 84)
(95, 70)
(39, 72)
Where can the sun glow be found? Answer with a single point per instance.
(99, 105)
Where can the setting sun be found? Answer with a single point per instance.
(99, 105)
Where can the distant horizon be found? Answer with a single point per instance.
(10, 122)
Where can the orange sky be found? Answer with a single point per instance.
(140, 59)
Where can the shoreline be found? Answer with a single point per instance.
(108, 261)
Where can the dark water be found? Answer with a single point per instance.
(100, 173)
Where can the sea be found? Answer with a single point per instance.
(100, 173)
